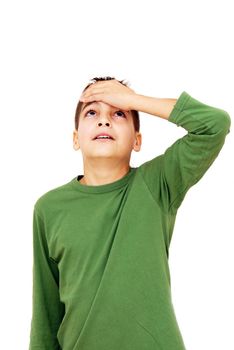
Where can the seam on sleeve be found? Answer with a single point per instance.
(160, 206)
(51, 258)
(38, 213)
(193, 180)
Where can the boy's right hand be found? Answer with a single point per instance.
(111, 92)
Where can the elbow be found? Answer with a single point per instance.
(226, 122)
(222, 122)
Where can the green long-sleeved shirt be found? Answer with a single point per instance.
(101, 278)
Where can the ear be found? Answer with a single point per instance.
(76, 145)
(137, 142)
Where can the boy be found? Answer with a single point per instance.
(101, 279)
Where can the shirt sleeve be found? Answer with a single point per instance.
(47, 310)
(170, 175)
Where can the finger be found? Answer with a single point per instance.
(101, 87)
(98, 84)
(92, 92)
(90, 98)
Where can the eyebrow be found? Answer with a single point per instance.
(95, 102)
(88, 103)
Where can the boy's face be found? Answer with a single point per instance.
(99, 117)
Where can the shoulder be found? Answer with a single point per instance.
(152, 165)
(52, 198)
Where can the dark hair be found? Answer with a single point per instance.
(135, 114)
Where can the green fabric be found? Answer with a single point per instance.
(101, 277)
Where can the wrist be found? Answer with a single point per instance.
(137, 102)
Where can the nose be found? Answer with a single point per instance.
(105, 116)
(106, 123)
(104, 119)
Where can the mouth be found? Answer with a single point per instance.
(103, 137)
(103, 140)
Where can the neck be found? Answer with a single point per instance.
(101, 175)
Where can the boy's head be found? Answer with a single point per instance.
(99, 117)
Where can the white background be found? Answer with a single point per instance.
(49, 52)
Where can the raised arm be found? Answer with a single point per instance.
(160, 107)
(187, 159)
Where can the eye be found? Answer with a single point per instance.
(121, 112)
(90, 110)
